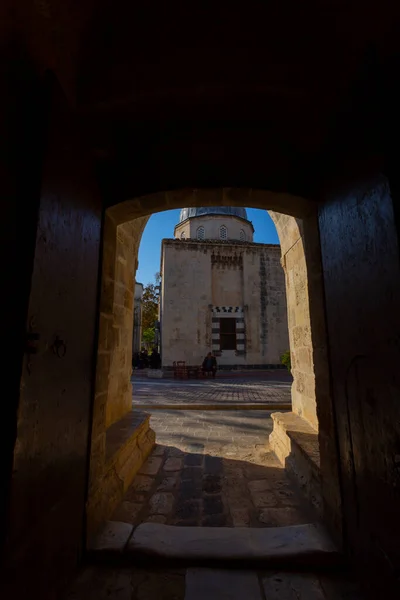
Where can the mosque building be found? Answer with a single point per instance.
(221, 292)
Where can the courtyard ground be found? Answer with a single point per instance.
(259, 388)
(211, 466)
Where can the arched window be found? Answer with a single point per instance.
(223, 232)
(242, 236)
(183, 235)
(200, 233)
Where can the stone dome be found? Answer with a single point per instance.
(201, 211)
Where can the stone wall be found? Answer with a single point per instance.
(109, 475)
(311, 392)
(301, 351)
(200, 276)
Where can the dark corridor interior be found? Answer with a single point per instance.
(101, 105)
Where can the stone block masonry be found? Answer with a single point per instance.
(204, 282)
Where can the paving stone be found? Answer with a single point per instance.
(214, 521)
(156, 519)
(281, 517)
(158, 450)
(189, 489)
(286, 496)
(161, 503)
(170, 483)
(194, 460)
(240, 517)
(154, 584)
(213, 505)
(173, 464)
(212, 484)
(213, 584)
(196, 447)
(174, 452)
(292, 586)
(192, 473)
(188, 510)
(151, 466)
(142, 483)
(264, 499)
(260, 485)
(98, 583)
(213, 465)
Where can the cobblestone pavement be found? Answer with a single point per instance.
(150, 392)
(212, 468)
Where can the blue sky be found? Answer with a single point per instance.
(161, 225)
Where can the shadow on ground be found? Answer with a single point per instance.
(194, 488)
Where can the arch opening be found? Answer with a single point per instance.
(298, 236)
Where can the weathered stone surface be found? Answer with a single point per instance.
(264, 499)
(260, 485)
(158, 450)
(170, 483)
(240, 517)
(194, 460)
(281, 517)
(95, 582)
(161, 503)
(213, 465)
(151, 466)
(218, 520)
(213, 505)
(292, 586)
(112, 538)
(127, 512)
(213, 584)
(173, 464)
(296, 445)
(142, 483)
(301, 544)
(225, 275)
(156, 519)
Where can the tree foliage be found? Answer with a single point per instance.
(148, 337)
(150, 305)
(286, 360)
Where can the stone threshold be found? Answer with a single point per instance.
(221, 406)
(300, 546)
(125, 430)
(296, 445)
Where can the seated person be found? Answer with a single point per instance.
(155, 359)
(209, 364)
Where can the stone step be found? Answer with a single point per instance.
(300, 546)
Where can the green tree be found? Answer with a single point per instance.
(150, 306)
(148, 337)
(286, 360)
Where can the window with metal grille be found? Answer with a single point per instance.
(200, 233)
(227, 334)
(242, 235)
(223, 232)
